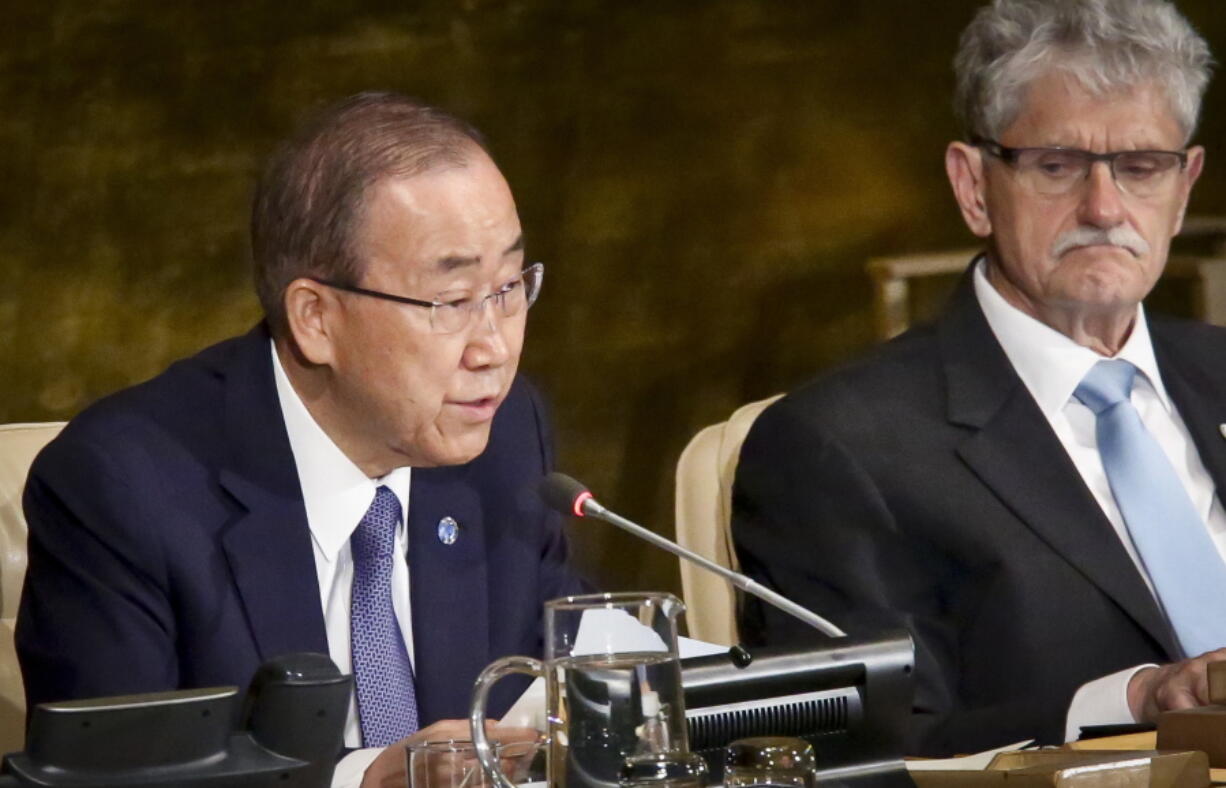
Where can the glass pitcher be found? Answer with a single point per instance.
(613, 687)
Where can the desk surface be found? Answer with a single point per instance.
(1134, 741)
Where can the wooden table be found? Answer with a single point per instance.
(1134, 741)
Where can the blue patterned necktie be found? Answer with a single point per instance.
(1187, 571)
(387, 699)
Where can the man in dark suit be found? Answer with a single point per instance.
(1056, 551)
(251, 501)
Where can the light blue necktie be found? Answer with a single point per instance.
(1183, 564)
(387, 698)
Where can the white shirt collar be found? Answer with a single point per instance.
(335, 491)
(1048, 362)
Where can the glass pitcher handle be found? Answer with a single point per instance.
(481, 693)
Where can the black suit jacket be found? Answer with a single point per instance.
(922, 487)
(169, 545)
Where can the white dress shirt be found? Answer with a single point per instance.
(1051, 366)
(337, 494)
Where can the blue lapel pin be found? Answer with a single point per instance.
(448, 530)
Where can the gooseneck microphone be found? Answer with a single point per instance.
(569, 496)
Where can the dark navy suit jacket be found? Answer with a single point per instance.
(169, 545)
(922, 487)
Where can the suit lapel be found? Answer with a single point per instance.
(268, 544)
(448, 583)
(1199, 393)
(1014, 451)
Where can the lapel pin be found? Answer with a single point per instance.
(1222, 429)
(449, 529)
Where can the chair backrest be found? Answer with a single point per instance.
(19, 443)
(704, 521)
(892, 284)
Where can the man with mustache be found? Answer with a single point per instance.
(347, 478)
(1030, 485)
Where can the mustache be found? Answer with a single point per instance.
(1121, 235)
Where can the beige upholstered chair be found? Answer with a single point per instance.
(704, 518)
(18, 445)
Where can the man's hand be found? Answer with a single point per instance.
(390, 769)
(1179, 685)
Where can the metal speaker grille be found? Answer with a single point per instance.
(715, 727)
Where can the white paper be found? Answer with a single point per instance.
(609, 631)
(689, 647)
(977, 762)
(601, 631)
(529, 710)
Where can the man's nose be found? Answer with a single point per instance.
(1102, 203)
(487, 343)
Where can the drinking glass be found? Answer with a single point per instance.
(453, 763)
(770, 761)
(444, 764)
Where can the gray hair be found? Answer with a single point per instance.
(1106, 45)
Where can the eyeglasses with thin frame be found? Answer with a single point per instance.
(1058, 171)
(452, 311)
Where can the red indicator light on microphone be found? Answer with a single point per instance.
(581, 499)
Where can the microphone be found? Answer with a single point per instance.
(570, 496)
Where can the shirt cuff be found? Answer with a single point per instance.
(350, 769)
(1103, 701)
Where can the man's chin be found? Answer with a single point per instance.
(461, 450)
(1104, 295)
(1106, 274)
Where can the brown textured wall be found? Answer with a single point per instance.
(704, 179)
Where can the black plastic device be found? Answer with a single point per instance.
(850, 698)
(287, 732)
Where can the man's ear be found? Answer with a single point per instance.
(310, 311)
(964, 166)
(1196, 163)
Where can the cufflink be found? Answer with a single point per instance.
(1222, 429)
(449, 529)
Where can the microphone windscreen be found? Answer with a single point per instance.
(560, 491)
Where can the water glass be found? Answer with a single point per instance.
(454, 764)
(444, 764)
(770, 760)
(664, 770)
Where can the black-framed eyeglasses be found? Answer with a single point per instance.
(1058, 171)
(452, 311)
